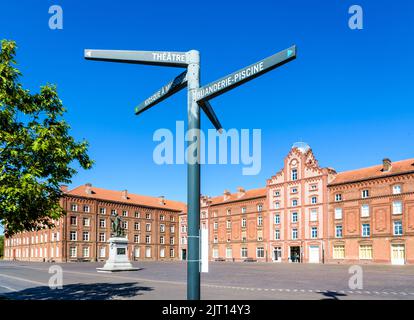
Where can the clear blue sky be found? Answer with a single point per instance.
(348, 94)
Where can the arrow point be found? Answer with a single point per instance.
(88, 53)
(289, 53)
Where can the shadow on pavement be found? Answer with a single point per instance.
(80, 291)
(330, 295)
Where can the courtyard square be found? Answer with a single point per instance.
(225, 280)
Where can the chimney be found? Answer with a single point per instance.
(386, 164)
(226, 194)
(88, 189)
(240, 192)
(64, 188)
(124, 194)
(161, 200)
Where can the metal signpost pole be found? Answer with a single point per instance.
(193, 177)
(197, 98)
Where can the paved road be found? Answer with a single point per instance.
(167, 280)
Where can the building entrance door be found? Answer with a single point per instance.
(277, 254)
(313, 254)
(397, 254)
(295, 254)
(184, 254)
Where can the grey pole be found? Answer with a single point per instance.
(193, 177)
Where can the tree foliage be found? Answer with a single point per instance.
(37, 153)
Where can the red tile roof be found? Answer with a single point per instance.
(248, 194)
(374, 172)
(134, 199)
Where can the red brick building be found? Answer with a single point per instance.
(304, 213)
(151, 225)
(298, 201)
(371, 214)
(311, 214)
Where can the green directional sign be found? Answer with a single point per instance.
(160, 58)
(169, 89)
(248, 73)
(196, 98)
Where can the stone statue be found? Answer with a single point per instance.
(117, 230)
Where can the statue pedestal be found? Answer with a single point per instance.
(118, 257)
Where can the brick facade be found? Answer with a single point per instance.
(82, 234)
(374, 209)
(304, 213)
(297, 215)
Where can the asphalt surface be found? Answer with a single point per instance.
(167, 280)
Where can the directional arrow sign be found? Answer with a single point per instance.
(169, 89)
(161, 58)
(241, 76)
(208, 110)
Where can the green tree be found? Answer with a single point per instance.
(1, 246)
(37, 154)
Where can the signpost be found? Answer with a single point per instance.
(197, 97)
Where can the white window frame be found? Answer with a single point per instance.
(397, 209)
(338, 213)
(400, 228)
(71, 233)
(73, 252)
(363, 250)
(337, 228)
(260, 252)
(294, 174)
(396, 189)
(365, 210)
(229, 253)
(364, 228)
(277, 234)
(338, 252)
(87, 251)
(313, 215)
